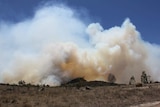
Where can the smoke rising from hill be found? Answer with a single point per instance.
(53, 47)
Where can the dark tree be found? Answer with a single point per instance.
(111, 78)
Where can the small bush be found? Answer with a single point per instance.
(21, 82)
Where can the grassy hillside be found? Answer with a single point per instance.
(84, 95)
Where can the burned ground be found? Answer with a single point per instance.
(88, 94)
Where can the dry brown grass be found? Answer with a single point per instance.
(70, 96)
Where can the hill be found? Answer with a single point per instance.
(72, 94)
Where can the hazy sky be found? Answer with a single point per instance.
(145, 14)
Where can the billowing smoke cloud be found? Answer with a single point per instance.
(53, 47)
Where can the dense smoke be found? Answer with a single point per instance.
(55, 46)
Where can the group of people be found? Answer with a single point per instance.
(144, 79)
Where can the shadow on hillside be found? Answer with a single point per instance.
(80, 82)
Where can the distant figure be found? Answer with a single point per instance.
(132, 81)
(144, 78)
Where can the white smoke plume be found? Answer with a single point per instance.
(53, 47)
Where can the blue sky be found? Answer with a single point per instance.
(143, 13)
